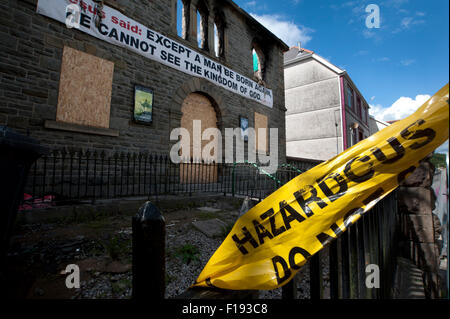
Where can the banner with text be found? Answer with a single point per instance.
(125, 32)
(272, 241)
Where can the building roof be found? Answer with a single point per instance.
(296, 54)
(385, 123)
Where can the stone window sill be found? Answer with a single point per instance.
(62, 126)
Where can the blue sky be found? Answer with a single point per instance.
(396, 67)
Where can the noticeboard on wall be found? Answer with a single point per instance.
(143, 105)
(243, 124)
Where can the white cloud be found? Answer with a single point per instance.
(361, 52)
(368, 34)
(381, 59)
(287, 31)
(407, 62)
(376, 111)
(406, 22)
(251, 5)
(375, 35)
(394, 3)
(401, 108)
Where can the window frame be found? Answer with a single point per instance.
(366, 114)
(219, 25)
(354, 136)
(360, 135)
(259, 75)
(185, 18)
(359, 107)
(347, 99)
(202, 27)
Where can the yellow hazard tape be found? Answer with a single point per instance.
(269, 244)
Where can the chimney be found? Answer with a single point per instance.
(299, 44)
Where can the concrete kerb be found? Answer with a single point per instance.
(84, 211)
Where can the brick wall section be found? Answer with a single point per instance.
(418, 232)
(31, 52)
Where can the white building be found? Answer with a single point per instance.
(326, 113)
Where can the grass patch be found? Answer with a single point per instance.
(117, 247)
(121, 286)
(206, 215)
(187, 253)
(98, 224)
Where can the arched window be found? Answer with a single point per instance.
(202, 26)
(216, 41)
(182, 18)
(219, 34)
(255, 61)
(258, 62)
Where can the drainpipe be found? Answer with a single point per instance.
(343, 121)
(233, 178)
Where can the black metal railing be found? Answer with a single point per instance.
(71, 176)
(302, 163)
(355, 259)
(367, 248)
(67, 176)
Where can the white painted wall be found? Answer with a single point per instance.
(313, 110)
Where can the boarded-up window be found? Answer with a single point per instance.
(84, 89)
(198, 107)
(262, 141)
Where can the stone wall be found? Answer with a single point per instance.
(31, 55)
(418, 233)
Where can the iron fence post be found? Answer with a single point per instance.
(345, 266)
(353, 262)
(148, 253)
(289, 290)
(233, 176)
(334, 272)
(315, 275)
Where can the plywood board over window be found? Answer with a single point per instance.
(261, 143)
(84, 89)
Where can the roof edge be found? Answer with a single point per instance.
(318, 58)
(283, 45)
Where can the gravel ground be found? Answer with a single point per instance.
(181, 275)
(187, 252)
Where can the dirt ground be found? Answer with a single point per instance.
(101, 247)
